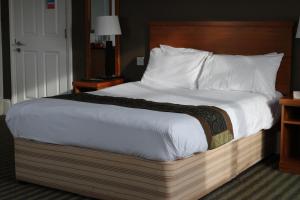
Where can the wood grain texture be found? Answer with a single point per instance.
(289, 137)
(233, 37)
(79, 85)
(288, 101)
(97, 62)
(106, 175)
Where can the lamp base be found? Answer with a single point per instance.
(109, 59)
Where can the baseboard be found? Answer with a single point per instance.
(4, 106)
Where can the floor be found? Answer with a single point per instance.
(262, 181)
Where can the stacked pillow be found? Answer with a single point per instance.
(191, 69)
(174, 68)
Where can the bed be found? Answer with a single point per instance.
(106, 175)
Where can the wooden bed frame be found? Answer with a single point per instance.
(106, 175)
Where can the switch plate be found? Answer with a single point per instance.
(140, 61)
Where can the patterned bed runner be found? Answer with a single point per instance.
(215, 121)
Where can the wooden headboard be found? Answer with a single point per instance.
(244, 38)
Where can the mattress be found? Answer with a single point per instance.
(143, 133)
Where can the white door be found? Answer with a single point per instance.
(39, 49)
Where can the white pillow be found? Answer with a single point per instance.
(173, 70)
(173, 50)
(244, 73)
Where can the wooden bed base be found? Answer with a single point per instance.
(107, 175)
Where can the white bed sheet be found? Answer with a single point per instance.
(144, 133)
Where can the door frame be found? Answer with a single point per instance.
(68, 48)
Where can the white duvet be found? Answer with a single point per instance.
(144, 133)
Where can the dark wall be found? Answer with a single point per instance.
(136, 14)
(78, 39)
(296, 66)
(5, 49)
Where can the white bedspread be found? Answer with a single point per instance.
(144, 133)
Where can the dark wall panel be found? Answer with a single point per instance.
(5, 49)
(296, 66)
(136, 14)
(78, 39)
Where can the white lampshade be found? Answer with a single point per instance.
(107, 25)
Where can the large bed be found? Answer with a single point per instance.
(151, 168)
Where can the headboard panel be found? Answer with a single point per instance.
(244, 38)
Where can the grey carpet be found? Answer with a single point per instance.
(262, 181)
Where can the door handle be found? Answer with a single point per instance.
(18, 43)
(18, 50)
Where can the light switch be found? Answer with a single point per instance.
(140, 61)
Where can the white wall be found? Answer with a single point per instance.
(1, 74)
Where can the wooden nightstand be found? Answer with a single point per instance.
(92, 85)
(290, 135)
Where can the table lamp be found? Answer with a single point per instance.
(106, 26)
